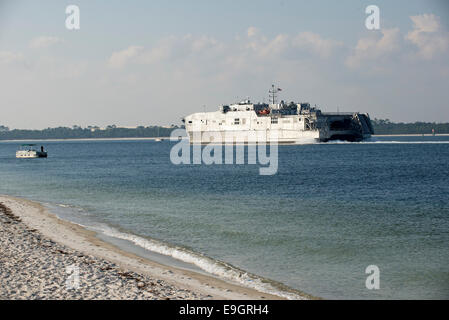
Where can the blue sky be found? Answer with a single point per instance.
(153, 62)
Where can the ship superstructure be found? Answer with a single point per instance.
(247, 122)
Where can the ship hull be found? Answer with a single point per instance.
(253, 137)
(27, 154)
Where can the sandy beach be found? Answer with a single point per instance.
(39, 253)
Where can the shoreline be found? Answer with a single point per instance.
(89, 139)
(168, 138)
(412, 135)
(183, 284)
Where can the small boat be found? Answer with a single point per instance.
(30, 151)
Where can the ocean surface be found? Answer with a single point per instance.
(331, 210)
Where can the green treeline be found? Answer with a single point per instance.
(386, 127)
(86, 133)
(380, 127)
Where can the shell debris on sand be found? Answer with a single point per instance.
(34, 267)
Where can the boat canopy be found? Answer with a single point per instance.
(28, 146)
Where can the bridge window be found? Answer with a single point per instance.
(274, 120)
(236, 121)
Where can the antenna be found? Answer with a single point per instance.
(273, 93)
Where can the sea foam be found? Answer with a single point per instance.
(218, 268)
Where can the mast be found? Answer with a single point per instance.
(273, 93)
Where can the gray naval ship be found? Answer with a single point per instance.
(285, 123)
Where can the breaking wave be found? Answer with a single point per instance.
(220, 269)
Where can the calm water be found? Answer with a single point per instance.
(329, 212)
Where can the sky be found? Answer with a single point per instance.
(153, 62)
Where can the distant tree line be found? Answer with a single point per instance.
(386, 127)
(76, 132)
(381, 126)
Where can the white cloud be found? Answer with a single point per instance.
(428, 36)
(251, 32)
(44, 42)
(171, 48)
(426, 22)
(271, 48)
(203, 44)
(316, 44)
(373, 49)
(202, 52)
(8, 57)
(288, 45)
(121, 58)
